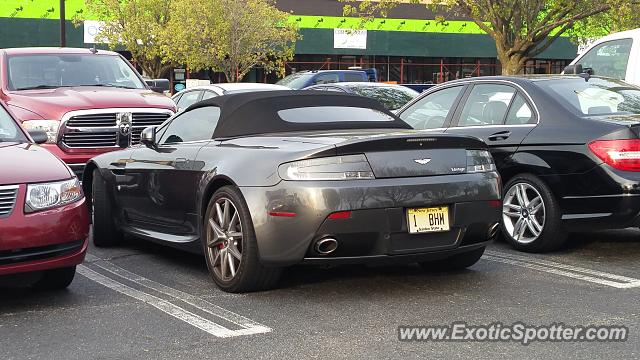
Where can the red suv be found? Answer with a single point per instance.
(87, 101)
(44, 221)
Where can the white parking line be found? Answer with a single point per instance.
(575, 272)
(248, 326)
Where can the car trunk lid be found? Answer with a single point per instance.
(413, 154)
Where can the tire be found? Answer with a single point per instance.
(541, 228)
(56, 279)
(456, 262)
(236, 242)
(105, 232)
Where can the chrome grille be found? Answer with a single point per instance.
(149, 119)
(90, 139)
(143, 120)
(8, 195)
(135, 136)
(92, 120)
(101, 128)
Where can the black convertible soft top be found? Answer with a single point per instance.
(254, 113)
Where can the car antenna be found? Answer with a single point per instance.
(93, 49)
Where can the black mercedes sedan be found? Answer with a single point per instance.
(260, 181)
(567, 148)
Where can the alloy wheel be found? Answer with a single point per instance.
(224, 239)
(523, 213)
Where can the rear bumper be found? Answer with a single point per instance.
(601, 212)
(603, 198)
(393, 259)
(377, 228)
(43, 240)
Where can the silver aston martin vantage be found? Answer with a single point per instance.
(260, 181)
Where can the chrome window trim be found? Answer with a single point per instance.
(493, 126)
(472, 82)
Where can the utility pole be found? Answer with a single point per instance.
(63, 32)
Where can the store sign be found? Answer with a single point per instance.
(92, 30)
(349, 39)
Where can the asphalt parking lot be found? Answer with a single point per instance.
(144, 301)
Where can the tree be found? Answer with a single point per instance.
(231, 36)
(138, 25)
(522, 29)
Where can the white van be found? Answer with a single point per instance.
(615, 56)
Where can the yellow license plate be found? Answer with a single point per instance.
(431, 219)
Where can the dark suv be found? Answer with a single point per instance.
(303, 79)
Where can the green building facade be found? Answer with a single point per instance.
(405, 47)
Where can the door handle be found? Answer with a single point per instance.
(502, 135)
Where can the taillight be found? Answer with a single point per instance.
(619, 154)
(340, 215)
(479, 161)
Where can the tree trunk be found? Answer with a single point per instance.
(153, 68)
(512, 65)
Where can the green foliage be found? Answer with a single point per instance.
(138, 25)
(522, 29)
(230, 36)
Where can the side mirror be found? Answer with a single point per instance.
(148, 137)
(158, 85)
(573, 69)
(38, 136)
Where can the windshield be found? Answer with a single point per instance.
(295, 81)
(608, 59)
(49, 71)
(595, 96)
(9, 131)
(391, 97)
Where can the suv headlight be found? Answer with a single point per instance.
(49, 126)
(479, 161)
(50, 195)
(348, 167)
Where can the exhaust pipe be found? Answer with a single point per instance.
(326, 246)
(493, 230)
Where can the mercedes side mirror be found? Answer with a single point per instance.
(148, 137)
(38, 136)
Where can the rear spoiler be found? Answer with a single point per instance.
(396, 142)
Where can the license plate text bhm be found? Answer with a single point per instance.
(428, 219)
